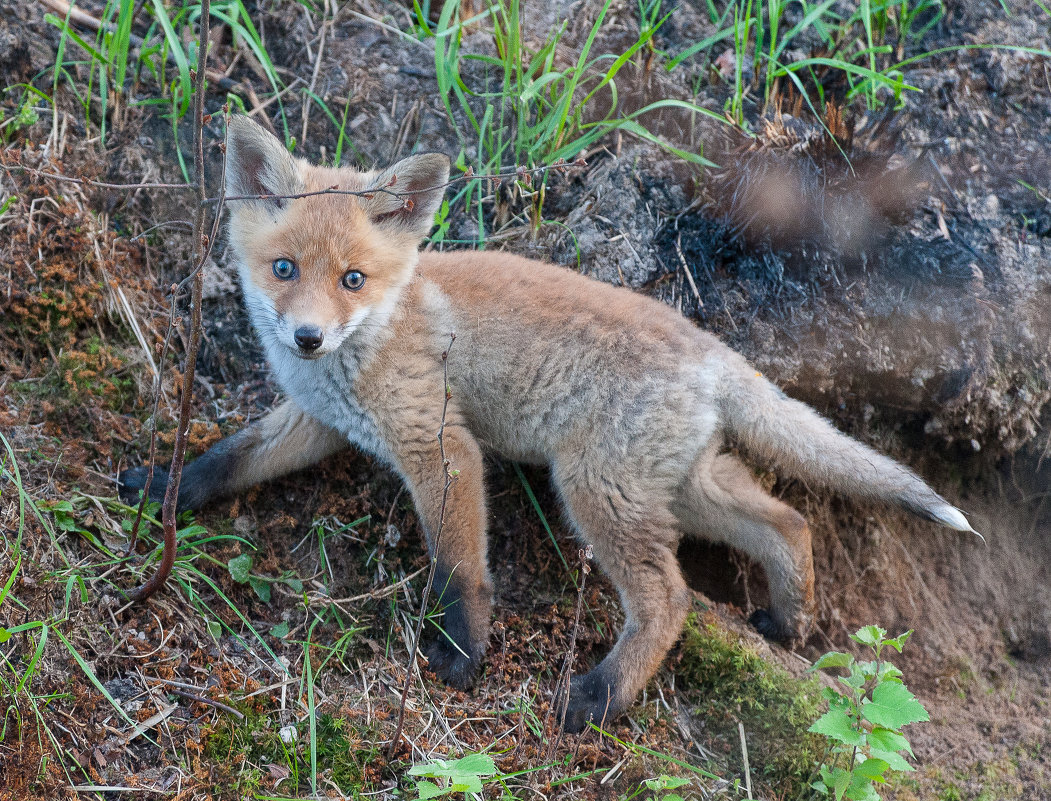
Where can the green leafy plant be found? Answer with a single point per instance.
(463, 775)
(655, 788)
(240, 568)
(863, 723)
(24, 116)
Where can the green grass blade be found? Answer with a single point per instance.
(38, 652)
(176, 49)
(122, 43)
(540, 513)
(84, 666)
(704, 44)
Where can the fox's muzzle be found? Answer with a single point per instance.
(309, 338)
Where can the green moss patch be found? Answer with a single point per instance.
(250, 756)
(735, 684)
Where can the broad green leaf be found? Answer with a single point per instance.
(893, 706)
(294, 583)
(429, 790)
(872, 769)
(477, 764)
(838, 725)
(466, 783)
(5, 635)
(868, 668)
(239, 567)
(837, 780)
(663, 782)
(888, 740)
(262, 588)
(438, 767)
(887, 672)
(832, 659)
(281, 631)
(856, 678)
(861, 789)
(215, 628)
(892, 758)
(898, 642)
(869, 635)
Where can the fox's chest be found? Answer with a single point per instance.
(324, 389)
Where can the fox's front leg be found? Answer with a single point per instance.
(461, 579)
(287, 439)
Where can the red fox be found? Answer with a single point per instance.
(630, 405)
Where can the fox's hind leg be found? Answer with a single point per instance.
(287, 439)
(634, 541)
(722, 502)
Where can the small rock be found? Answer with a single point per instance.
(288, 734)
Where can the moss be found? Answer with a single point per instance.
(239, 750)
(775, 707)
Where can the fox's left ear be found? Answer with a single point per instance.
(415, 187)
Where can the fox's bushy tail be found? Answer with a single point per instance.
(794, 437)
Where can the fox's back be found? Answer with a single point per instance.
(545, 356)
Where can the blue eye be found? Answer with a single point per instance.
(285, 269)
(354, 280)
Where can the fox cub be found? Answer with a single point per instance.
(629, 404)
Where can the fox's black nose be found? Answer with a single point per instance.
(309, 338)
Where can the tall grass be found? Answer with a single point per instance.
(860, 48)
(164, 52)
(528, 107)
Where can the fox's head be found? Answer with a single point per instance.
(316, 269)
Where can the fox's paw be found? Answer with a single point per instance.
(133, 481)
(767, 625)
(592, 698)
(457, 668)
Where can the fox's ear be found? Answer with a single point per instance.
(415, 187)
(257, 163)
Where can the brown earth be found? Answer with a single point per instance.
(926, 331)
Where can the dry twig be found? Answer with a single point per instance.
(202, 245)
(562, 687)
(450, 477)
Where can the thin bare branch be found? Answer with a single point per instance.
(520, 173)
(450, 477)
(516, 172)
(202, 250)
(11, 169)
(562, 686)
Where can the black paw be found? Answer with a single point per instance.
(592, 698)
(133, 481)
(452, 665)
(766, 625)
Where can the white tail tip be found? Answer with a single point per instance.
(953, 518)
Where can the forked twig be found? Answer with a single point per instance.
(450, 477)
(202, 246)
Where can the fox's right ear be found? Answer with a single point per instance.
(257, 163)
